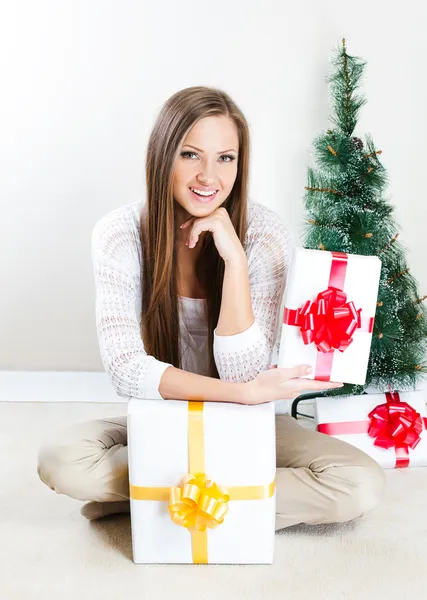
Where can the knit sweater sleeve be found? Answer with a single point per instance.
(115, 248)
(268, 245)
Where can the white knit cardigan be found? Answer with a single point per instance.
(116, 255)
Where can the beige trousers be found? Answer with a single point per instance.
(319, 478)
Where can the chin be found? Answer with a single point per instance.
(195, 208)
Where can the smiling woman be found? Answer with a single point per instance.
(197, 164)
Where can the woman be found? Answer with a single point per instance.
(188, 297)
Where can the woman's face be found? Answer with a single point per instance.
(207, 161)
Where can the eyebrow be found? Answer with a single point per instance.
(200, 150)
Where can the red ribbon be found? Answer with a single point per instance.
(330, 321)
(394, 424)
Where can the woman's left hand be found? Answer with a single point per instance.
(224, 235)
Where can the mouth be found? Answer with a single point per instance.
(203, 199)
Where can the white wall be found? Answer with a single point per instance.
(82, 83)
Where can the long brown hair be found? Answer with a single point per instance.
(160, 316)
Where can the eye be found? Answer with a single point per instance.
(229, 156)
(187, 153)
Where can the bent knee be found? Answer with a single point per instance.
(364, 490)
(63, 461)
(51, 461)
(62, 474)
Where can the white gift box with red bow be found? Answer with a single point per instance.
(329, 310)
(390, 427)
(202, 464)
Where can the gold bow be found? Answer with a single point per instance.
(198, 502)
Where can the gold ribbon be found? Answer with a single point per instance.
(198, 503)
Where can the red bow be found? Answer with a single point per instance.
(329, 322)
(395, 424)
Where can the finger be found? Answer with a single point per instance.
(186, 222)
(193, 238)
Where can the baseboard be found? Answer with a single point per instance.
(80, 386)
(73, 386)
(56, 386)
(84, 386)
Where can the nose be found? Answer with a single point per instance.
(207, 174)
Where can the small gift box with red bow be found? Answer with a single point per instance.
(390, 427)
(202, 479)
(329, 309)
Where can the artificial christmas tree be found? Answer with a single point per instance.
(347, 212)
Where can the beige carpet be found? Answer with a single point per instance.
(49, 551)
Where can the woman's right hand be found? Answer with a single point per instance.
(283, 384)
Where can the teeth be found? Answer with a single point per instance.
(202, 193)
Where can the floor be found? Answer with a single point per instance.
(48, 550)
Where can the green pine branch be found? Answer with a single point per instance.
(347, 212)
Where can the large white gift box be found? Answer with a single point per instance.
(390, 427)
(202, 479)
(329, 310)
